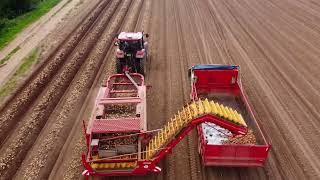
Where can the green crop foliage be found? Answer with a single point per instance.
(11, 84)
(5, 59)
(10, 27)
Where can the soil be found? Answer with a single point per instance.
(34, 35)
(274, 42)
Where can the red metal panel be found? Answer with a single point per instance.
(111, 80)
(142, 168)
(233, 162)
(234, 128)
(108, 125)
(212, 155)
(215, 79)
(206, 118)
(120, 100)
(227, 155)
(232, 154)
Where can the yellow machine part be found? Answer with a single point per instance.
(186, 115)
(113, 165)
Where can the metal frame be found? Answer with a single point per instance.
(210, 153)
(105, 97)
(226, 155)
(150, 166)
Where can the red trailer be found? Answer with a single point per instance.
(119, 144)
(222, 83)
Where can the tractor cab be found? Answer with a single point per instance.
(129, 42)
(131, 52)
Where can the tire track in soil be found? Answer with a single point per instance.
(287, 32)
(157, 96)
(132, 16)
(279, 143)
(172, 169)
(307, 131)
(70, 156)
(74, 165)
(294, 135)
(196, 53)
(18, 104)
(144, 18)
(45, 151)
(186, 168)
(241, 33)
(14, 148)
(133, 21)
(304, 101)
(169, 81)
(239, 54)
(216, 36)
(180, 62)
(242, 172)
(201, 51)
(62, 34)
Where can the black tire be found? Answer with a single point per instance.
(119, 66)
(142, 68)
(189, 74)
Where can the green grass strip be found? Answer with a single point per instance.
(5, 59)
(27, 62)
(16, 25)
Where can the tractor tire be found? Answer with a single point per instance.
(142, 67)
(119, 66)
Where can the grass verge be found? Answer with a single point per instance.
(14, 26)
(11, 84)
(5, 59)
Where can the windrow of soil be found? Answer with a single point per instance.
(28, 128)
(68, 165)
(14, 108)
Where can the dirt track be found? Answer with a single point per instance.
(274, 42)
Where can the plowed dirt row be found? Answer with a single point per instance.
(24, 96)
(28, 128)
(275, 43)
(49, 144)
(271, 46)
(279, 61)
(69, 166)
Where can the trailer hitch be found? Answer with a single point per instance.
(131, 79)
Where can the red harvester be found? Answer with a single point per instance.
(119, 143)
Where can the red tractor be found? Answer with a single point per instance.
(132, 52)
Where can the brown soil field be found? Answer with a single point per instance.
(274, 42)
